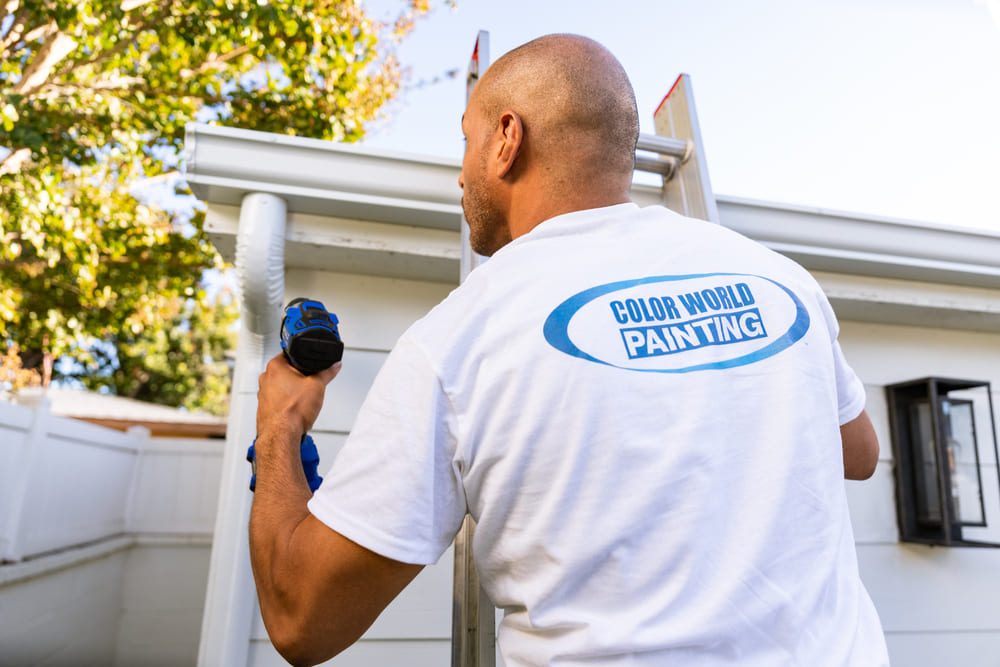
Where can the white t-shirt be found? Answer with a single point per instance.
(641, 412)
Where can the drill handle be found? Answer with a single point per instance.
(308, 454)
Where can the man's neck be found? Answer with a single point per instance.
(526, 213)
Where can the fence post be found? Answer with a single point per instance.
(26, 463)
(140, 436)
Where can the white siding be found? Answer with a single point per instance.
(944, 649)
(938, 605)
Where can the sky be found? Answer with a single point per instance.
(885, 108)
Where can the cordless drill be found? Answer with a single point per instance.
(311, 343)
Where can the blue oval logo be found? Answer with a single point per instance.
(679, 324)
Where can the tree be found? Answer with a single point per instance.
(94, 96)
(183, 362)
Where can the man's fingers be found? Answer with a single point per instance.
(279, 365)
(327, 375)
(276, 362)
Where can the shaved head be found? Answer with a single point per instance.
(575, 100)
(550, 128)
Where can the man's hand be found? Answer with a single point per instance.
(287, 400)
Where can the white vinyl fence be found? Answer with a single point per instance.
(65, 483)
(105, 540)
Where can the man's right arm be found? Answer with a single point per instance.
(861, 447)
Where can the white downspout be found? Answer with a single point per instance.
(260, 269)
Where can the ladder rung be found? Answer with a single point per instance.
(664, 166)
(654, 143)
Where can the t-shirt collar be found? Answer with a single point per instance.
(568, 223)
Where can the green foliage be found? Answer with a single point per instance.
(183, 362)
(94, 96)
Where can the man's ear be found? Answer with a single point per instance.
(511, 135)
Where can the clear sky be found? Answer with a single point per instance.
(882, 107)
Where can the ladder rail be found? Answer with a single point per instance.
(473, 616)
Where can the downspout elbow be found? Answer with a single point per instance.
(260, 265)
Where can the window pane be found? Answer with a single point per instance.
(963, 460)
(925, 463)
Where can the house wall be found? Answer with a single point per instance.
(937, 604)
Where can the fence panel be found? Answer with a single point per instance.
(66, 482)
(78, 485)
(177, 487)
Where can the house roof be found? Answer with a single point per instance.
(122, 413)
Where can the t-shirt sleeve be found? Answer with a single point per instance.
(395, 487)
(850, 389)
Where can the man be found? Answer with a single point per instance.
(648, 416)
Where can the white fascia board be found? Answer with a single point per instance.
(348, 245)
(907, 302)
(223, 164)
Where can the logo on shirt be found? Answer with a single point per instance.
(678, 324)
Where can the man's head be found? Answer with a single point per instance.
(551, 127)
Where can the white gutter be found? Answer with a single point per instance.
(260, 270)
(836, 241)
(223, 164)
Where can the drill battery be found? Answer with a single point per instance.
(309, 336)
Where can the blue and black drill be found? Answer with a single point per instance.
(311, 343)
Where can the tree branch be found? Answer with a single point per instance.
(57, 45)
(129, 5)
(65, 89)
(14, 161)
(118, 83)
(137, 30)
(215, 62)
(13, 35)
(9, 8)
